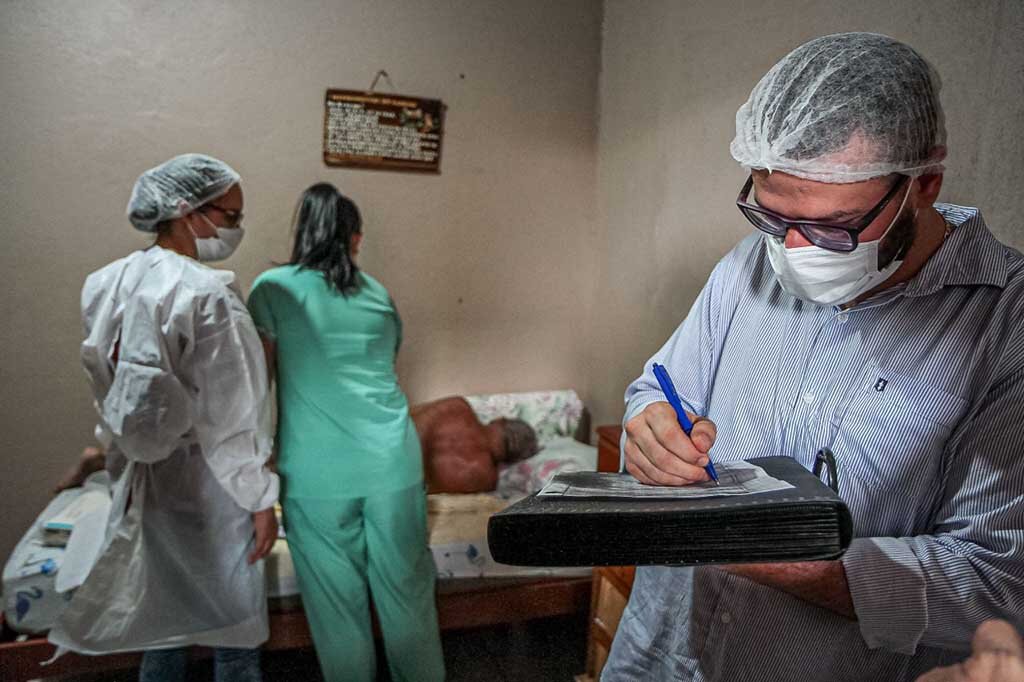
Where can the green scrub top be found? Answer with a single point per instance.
(343, 427)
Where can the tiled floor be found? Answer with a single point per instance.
(548, 650)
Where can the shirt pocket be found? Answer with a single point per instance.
(892, 432)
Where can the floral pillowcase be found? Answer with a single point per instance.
(551, 413)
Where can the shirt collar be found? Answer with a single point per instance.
(970, 255)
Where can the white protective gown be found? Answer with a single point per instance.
(183, 415)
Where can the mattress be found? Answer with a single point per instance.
(457, 533)
(457, 528)
(280, 571)
(457, 524)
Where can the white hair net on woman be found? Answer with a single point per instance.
(178, 187)
(844, 108)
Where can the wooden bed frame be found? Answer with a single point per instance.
(461, 603)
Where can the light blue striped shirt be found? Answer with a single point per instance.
(919, 392)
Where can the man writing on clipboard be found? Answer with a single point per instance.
(864, 317)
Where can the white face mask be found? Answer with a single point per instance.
(211, 249)
(825, 277)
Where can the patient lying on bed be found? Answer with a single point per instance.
(460, 454)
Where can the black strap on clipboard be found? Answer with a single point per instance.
(826, 457)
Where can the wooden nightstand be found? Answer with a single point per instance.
(608, 447)
(612, 584)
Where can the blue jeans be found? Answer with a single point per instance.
(229, 665)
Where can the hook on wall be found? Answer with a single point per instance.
(382, 74)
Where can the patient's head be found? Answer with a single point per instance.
(520, 439)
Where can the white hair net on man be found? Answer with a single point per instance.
(178, 187)
(844, 108)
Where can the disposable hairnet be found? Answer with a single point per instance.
(178, 187)
(844, 108)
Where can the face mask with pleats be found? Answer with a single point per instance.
(212, 249)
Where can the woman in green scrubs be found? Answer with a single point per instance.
(349, 457)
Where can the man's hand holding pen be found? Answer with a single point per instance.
(658, 451)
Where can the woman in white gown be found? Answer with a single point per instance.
(180, 385)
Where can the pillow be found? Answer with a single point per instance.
(559, 455)
(552, 414)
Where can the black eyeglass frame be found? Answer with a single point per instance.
(757, 215)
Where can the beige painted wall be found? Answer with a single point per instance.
(673, 75)
(545, 255)
(491, 263)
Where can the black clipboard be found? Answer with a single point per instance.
(808, 522)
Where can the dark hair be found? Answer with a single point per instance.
(325, 222)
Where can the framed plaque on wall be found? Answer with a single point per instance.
(383, 131)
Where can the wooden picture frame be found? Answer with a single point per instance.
(383, 131)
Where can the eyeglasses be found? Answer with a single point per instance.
(233, 217)
(826, 235)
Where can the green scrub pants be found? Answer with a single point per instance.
(341, 546)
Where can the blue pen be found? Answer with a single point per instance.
(669, 390)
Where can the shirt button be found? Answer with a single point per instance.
(808, 398)
(842, 317)
(726, 618)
